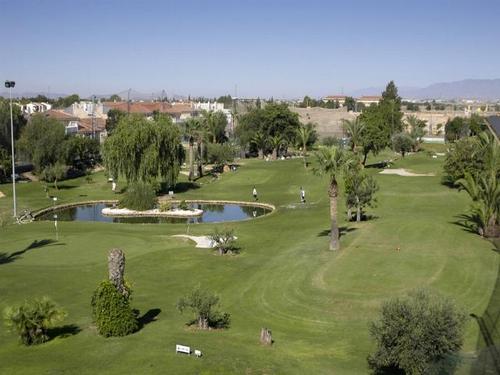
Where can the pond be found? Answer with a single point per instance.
(212, 213)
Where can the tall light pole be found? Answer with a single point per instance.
(10, 85)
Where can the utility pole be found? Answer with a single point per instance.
(93, 117)
(10, 85)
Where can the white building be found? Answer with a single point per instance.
(31, 108)
(84, 109)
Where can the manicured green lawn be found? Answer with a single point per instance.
(317, 303)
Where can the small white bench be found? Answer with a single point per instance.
(182, 349)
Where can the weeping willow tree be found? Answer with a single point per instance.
(144, 150)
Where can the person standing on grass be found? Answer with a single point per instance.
(302, 195)
(254, 193)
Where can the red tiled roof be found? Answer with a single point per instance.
(335, 97)
(150, 107)
(59, 115)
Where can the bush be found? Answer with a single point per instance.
(402, 143)
(111, 311)
(139, 196)
(221, 154)
(165, 206)
(183, 205)
(32, 319)
(419, 334)
(465, 156)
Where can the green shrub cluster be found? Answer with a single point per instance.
(166, 206)
(32, 319)
(111, 311)
(140, 196)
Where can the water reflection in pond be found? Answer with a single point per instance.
(212, 213)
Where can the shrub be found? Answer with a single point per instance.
(402, 143)
(418, 334)
(32, 319)
(204, 305)
(183, 205)
(220, 154)
(165, 206)
(139, 196)
(111, 311)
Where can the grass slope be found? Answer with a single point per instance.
(317, 303)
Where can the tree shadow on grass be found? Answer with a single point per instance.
(182, 187)
(148, 317)
(8, 258)
(466, 222)
(342, 231)
(63, 331)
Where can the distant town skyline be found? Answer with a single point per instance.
(256, 48)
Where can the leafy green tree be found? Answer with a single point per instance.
(32, 319)
(416, 335)
(41, 142)
(223, 240)
(5, 164)
(350, 103)
(81, 153)
(227, 100)
(477, 124)
(54, 172)
(66, 101)
(456, 129)
(390, 108)
(402, 143)
(376, 134)
(114, 117)
(204, 305)
(354, 130)
(144, 150)
(332, 162)
(279, 120)
(220, 154)
(19, 123)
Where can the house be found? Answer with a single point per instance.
(369, 100)
(31, 108)
(84, 109)
(335, 98)
(86, 126)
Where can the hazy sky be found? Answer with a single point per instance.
(268, 48)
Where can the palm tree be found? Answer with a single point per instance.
(332, 161)
(303, 135)
(354, 130)
(275, 142)
(191, 127)
(484, 191)
(260, 141)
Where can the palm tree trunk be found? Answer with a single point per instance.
(200, 165)
(275, 153)
(334, 232)
(358, 210)
(261, 153)
(191, 161)
(364, 158)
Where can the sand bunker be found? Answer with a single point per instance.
(203, 242)
(405, 173)
(2, 195)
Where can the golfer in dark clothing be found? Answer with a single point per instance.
(302, 195)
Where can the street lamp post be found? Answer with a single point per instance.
(10, 85)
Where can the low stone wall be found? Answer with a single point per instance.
(176, 201)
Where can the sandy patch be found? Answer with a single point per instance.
(2, 195)
(110, 211)
(203, 242)
(405, 173)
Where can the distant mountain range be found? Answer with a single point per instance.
(480, 89)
